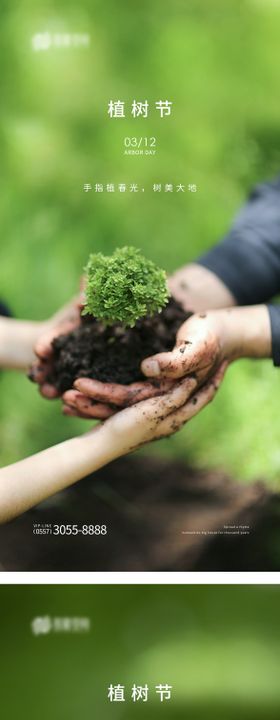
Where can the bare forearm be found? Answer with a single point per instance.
(199, 289)
(247, 332)
(17, 338)
(28, 482)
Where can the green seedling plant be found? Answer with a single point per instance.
(124, 287)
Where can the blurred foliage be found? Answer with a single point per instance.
(218, 63)
(217, 646)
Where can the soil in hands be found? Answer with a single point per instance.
(113, 354)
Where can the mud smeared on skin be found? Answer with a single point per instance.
(113, 354)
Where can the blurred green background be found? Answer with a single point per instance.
(217, 646)
(219, 64)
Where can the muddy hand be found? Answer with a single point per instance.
(160, 417)
(200, 348)
(94, 399)
(198, 400)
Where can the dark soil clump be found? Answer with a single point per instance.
(113, 354)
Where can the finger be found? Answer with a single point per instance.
(83, 404)
(145, 390)
(103, 392)
(70, 397)
(43, 347)
(95, 410)
(38, 372)
(71, 412)
(194, 405)
(115, 393)
(173, 365)
(98, 412)
(48, 391)
(120, 395)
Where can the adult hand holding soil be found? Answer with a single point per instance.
(28, 482)
(205, 340)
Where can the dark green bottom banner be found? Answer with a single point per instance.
(126, 652)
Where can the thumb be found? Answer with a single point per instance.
(173, 365)
(177, 363)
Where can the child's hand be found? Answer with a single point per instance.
(63, 322)
(160, 417)
(94, 399)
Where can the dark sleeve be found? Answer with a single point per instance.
(248, 259)
(274, 314)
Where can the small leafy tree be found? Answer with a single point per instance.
(124, 287)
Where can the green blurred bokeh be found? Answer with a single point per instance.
(219, 64)
(217, 646)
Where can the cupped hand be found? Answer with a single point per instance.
(202, 344)
(63, 322)
(94, 399)
(160, 417)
